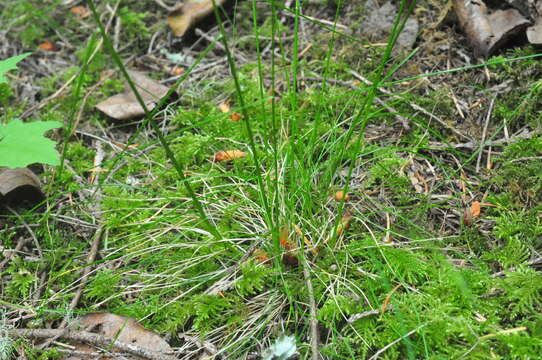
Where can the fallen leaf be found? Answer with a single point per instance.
(177, 70)
(534, 33)
(261, 256)
(47, 46)
(341, 196)
(475, 209)
(19, 187)
(471, 213)
(225, 106)
(228, 155)
(185, 15)
(284, 239)
(236, 117)
(488, 31)
(120, 328)
(125, 106)
(289, 257)
(80, 11)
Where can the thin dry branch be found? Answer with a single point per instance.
(313, 321)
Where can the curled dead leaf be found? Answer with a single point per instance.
(284, 239)
(185, 15)
(475, 209)
(236, 117)
(471, 213)
(19, 187)
(177, 70)
(47, 46)
(80, 11)
(125, 106)
(289, 257)
(122, 329)
(225, 106)
(341, 196)
(229, 155)
(488, 31)
(534, 33)
(261, 256)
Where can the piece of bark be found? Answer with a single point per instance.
(20, 186)
(487, 31)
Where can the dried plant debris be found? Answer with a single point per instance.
(185, 15)
(379, 23)
(534, 33)
(125, 106)
(121, 329)
(488, 30)
(19, 187)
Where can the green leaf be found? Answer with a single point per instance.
(10, 64)
(22, 144)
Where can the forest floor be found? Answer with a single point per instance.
(307, 181)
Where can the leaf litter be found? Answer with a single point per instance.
(187, 14)
(418, 179)
(20, 186)
(118, 329)
(124, 106)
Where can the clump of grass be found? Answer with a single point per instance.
(407, 279)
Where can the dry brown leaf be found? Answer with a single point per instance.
(225, 106)
(20, 186)
(177, 70)
(475, 209)
(125, 106)
(229, 155)
(488, 31)
(534, 33)
(284, 239)
(47, 46)
(289, 257)
(472, 212)
(261, 256)
(80, 11)
(120, 328)
(185, 15)
(236, 117)
(341, 196)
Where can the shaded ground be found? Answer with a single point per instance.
(415, 272)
